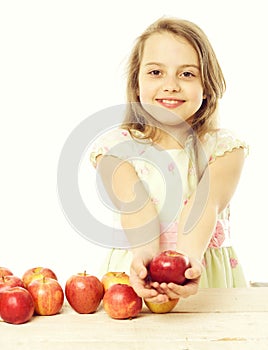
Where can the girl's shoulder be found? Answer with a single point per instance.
(216, 143)
(116, 141)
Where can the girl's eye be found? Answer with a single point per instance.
(187, 74)
(155, 72)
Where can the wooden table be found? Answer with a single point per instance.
(213, 319)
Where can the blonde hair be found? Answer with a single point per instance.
(212, 77)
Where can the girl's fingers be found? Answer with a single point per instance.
(158, 299)
(185, 291)
(192, 273)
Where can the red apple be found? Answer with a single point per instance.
(7, 282)
(37, 273)
(48, 296)
(111, 278)
(5, 272)
(84, 292)
(163, 307)
(169, 266)
(16, 305)
(120, 301)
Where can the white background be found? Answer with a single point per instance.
(60, 62)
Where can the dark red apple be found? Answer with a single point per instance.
(5, 272)
(16, 305)
(169, 266)
(37, 273)
(120, 301)
(47, 295)
(110, 278)
(84, 292)
(7, 282)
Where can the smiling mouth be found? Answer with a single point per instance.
(170, 103)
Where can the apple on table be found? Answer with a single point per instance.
(37, 273)
(16, 305)
(111, 277)
(120, 301)
(10, 281)
(162, 308)
(4, 271)
(48, 296)
(84, 292)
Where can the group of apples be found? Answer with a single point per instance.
(39, 292)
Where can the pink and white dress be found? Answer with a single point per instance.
(221, 265)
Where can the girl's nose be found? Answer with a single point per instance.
(171, 84)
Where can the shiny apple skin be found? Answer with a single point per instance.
(120, 301)
(84, 292)
(37, 273)
(48, 296)
(7, 282)
(169, 266)
(16, 305)
(110, 278)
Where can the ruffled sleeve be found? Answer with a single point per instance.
(221, 141)
(116, 142)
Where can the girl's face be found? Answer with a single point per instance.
(169, 77)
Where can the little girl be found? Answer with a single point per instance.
(174, 83)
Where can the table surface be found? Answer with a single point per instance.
(212, 319)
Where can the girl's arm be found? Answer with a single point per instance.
(223, 177)
(139, 219)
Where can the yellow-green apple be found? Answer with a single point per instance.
(120, 301)
(4, 271)
(163, 307)
(84, 292)
(10, 281)
(37, 273)
(48, 296)
(169, 266)
(110, 278)
(16, 305)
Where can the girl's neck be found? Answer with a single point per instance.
(173, 137)
(167, 141)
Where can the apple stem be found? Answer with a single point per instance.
(44, 279)
(3, 278)
(85, 272)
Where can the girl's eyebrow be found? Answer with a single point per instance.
(163, 65)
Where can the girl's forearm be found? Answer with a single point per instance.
(139, 217)
(218, 184)
(195, 241)
(142, 229)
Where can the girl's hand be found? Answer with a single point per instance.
(174, 291)
(139, 280)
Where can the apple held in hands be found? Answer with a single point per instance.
(169, 266)
(16, 305)
(120, 301)
(111, 278)
(48, 296)
(37, 273)
(84, 292)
